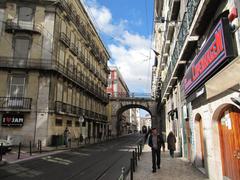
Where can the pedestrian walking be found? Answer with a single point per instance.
(171, 140)
(155, 141)
(66, 136)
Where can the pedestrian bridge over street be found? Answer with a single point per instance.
(121, 102)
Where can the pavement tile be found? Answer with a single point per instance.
(171, 168)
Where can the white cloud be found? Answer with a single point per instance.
(129, 51)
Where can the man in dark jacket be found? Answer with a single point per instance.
(155, 141)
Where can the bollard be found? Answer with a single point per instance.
(40, 148)
(57, 143)
(138, 149)
(19, 150)
(133, 154)
(136, 156)
(1, 151)
(30, 148)
(131, 168)
(38, 145)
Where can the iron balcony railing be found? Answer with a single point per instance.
(14, 25)
(128, 95)
(47, 64)
(64, 108)
(64, 39)
(74, 49)
(192, 6)
(15, 103)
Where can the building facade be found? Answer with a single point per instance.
(145, 121)
(198, 64)
(53, 71)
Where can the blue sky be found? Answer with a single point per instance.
(126, 27)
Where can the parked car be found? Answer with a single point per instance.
(7, 146)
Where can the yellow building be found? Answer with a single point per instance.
(53, 71)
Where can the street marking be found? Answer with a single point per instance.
(57, 160)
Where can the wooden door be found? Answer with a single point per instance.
(199, 142)
(229, 131)
(188, 133)
(202, 141)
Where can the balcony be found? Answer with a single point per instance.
(64, 39)
(74, 49)
(181, 49)
(15, 104)
(81, 57)
(13, 26)
(174, 6)
(48, 65)
(64, 108)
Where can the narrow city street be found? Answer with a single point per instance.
(99, 161)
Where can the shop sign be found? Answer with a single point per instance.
(12, 120)
(212, 56)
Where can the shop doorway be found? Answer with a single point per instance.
(188, 134)
(199, 160)
(229, 134)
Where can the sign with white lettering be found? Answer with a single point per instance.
(213, 55)
(12, 120)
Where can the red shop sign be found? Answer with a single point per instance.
(212, 56)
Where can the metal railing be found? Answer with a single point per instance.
(48, 64)
(13, 25)
(130, 95)
(64, 108)
(192, 6)
(15, 103)
(65, 39)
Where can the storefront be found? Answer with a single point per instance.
(210, 83)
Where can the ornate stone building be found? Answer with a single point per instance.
(53, 69)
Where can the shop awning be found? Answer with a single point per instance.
(225, 79)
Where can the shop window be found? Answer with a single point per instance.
(69, 123)
(58, 122)
(77, 124)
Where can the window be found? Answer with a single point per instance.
(63, 27)
(77, 124)
(59, 91)
(61, 55)
(17, 86)
(25, 14)
(58, 122)
(21, 48)
(84, 124)
(69, 123)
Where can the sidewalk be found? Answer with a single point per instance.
(171, 168)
